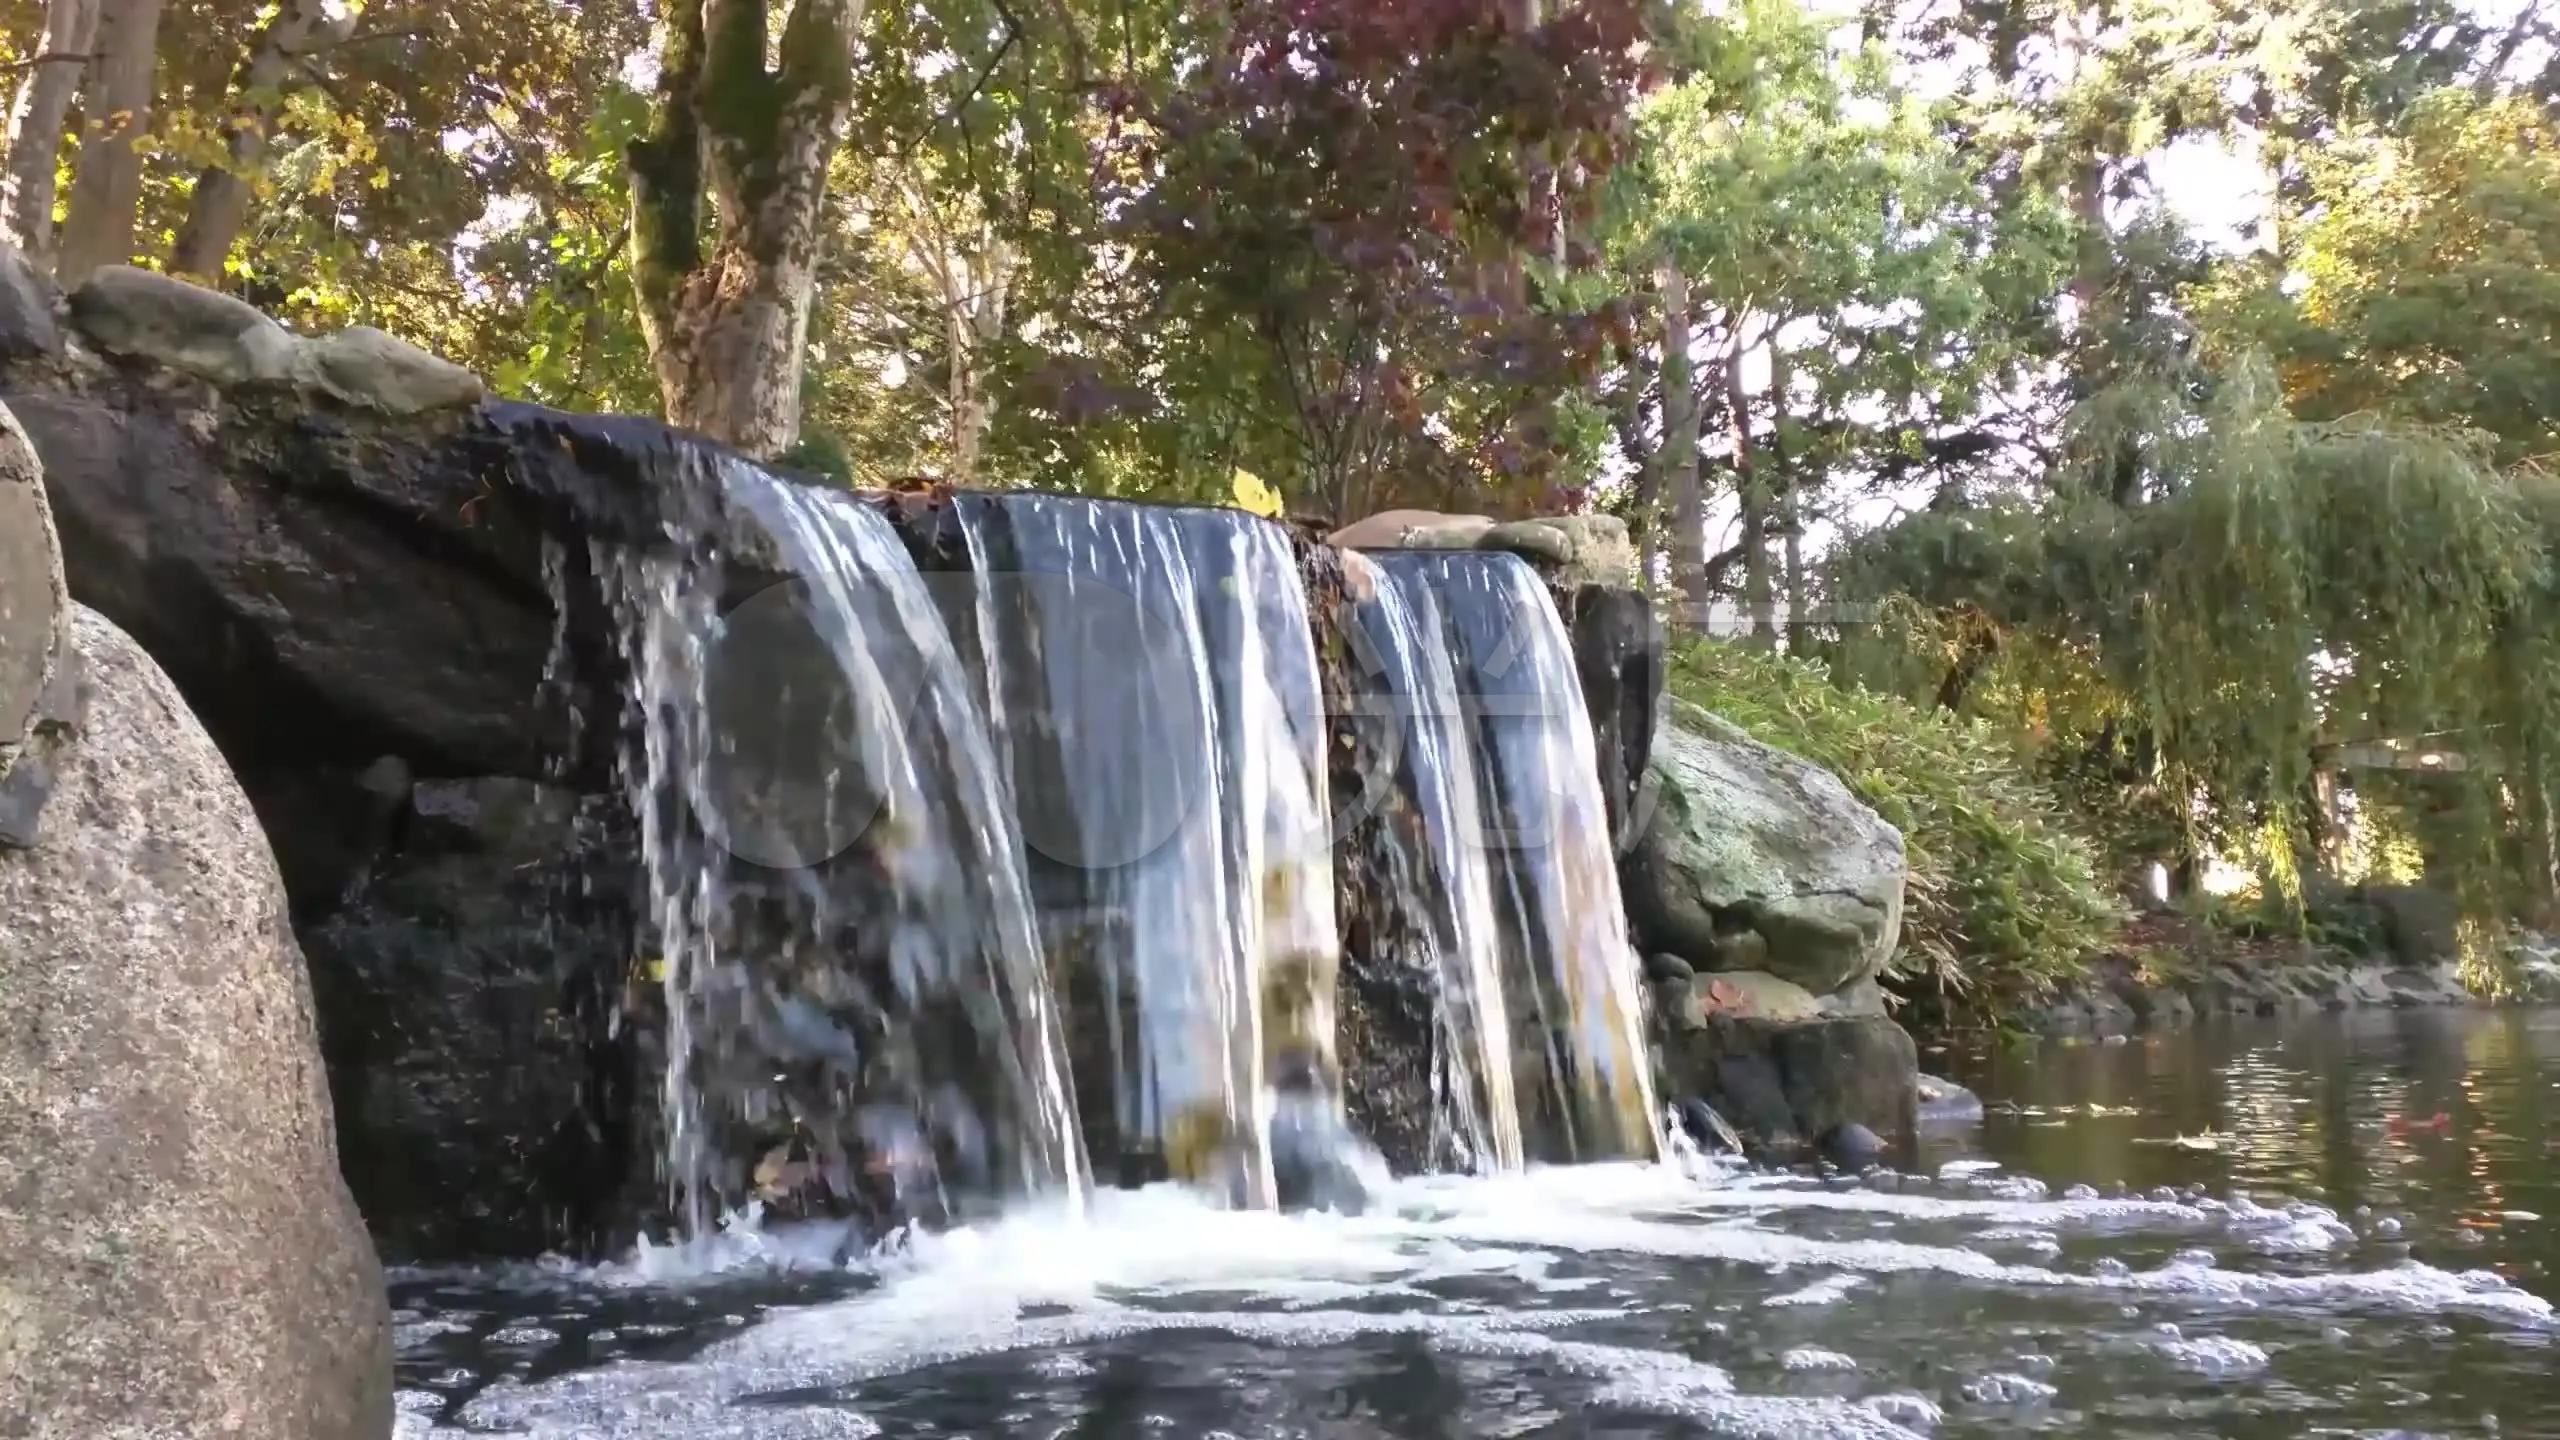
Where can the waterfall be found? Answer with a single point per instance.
(1403, 639)
(1571, 976)
(958, 877)
(857, 1006)
(1156, 677)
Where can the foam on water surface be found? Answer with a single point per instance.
(1558, 1273)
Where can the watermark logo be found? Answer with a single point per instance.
(1103, 724)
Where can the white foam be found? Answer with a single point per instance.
(1912, 1412)
(1830, 1290)
(1042, 1282)
(2007, 1390)
(2219, 1356)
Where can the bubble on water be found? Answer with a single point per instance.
(524, 1337)
(1811, 1358)
(2194, 1259)
(2110, 1268)
(2309, 1237)
(2012, 1235)
(1830, 1290)
(2386, 1227)
(412, 1334)
(1965, 1169)
(2008, 1390)
(2218, 1356)
(2037, 1365)
(2081, 1192)
(1912, 1412)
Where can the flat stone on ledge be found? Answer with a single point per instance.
(144, 315)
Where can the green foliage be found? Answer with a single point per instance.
(2282, 585)
(2429, 277)
(2004, 900)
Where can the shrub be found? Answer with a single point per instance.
(2004, 901)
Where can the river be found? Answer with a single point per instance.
(2347, 1226)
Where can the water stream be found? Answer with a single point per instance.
(857, 1005)
(1570, 978)
(1448, 875)
(2327, 1260)
(1155, 674)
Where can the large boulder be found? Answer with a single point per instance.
(1750, 858)
(33, 608)
(178, 1255)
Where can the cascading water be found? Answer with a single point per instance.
(1571, 976)
(1402, 639)
(1157, 677)
(856, 1002)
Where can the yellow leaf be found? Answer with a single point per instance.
(1251, 494)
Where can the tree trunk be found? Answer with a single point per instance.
(1644, 499)
(1752, 485)
(35, 125)
(724, 297)
(106, 193)
(1790, 511)
(218, 206)
(2541, 835)
(1687, 546)
(974, 273)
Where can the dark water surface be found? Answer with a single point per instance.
(2348, 1227)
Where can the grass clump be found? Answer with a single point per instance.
(2004, 901)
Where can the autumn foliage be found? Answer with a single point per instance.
(1368, 202)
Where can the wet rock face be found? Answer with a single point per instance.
(488, 1103)
(1619, 648)
(178, 1255)
(1753, 859)
(1383, 897)
(329, 589)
